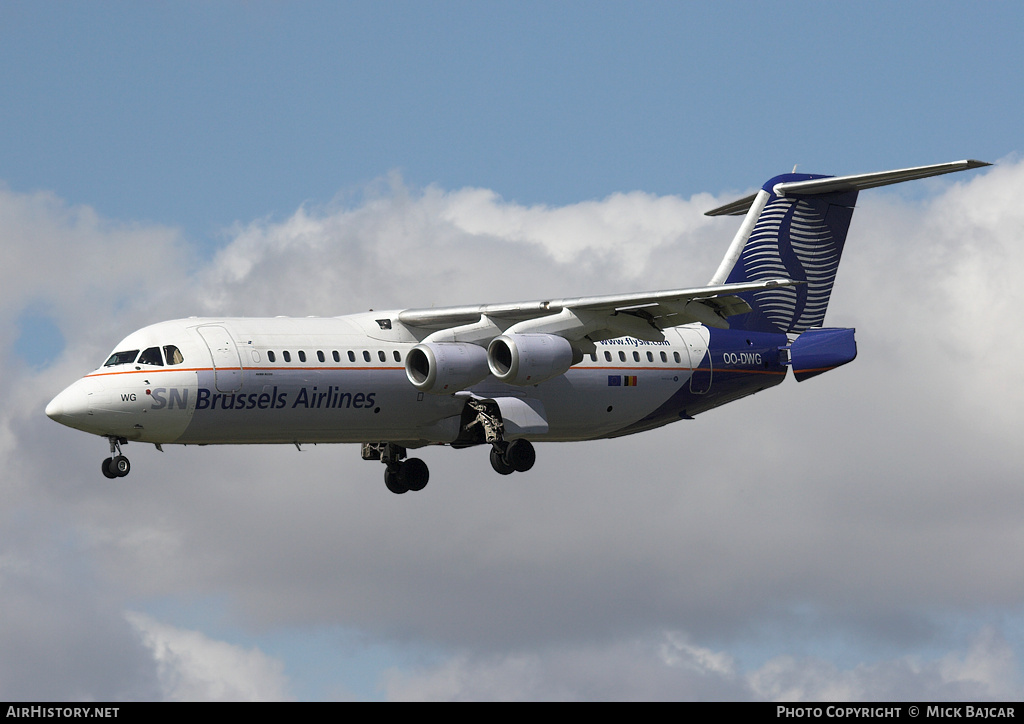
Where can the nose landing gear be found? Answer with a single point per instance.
(117, 465)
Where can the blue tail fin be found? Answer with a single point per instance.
(799, 238)
(795, 228)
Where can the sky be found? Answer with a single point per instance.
(854, 537)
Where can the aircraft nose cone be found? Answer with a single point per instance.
(69, 407)
(55, 409)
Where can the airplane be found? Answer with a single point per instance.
(497, 375)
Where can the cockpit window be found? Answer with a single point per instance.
(151, 357)
(173, 355)
(121, 358)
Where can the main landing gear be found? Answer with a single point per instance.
(483, 419)
(400, 476)
(517, 456)
(117, 465)
(481, 425)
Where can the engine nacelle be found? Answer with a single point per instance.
(444, 368)
(528, 359)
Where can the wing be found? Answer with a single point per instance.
(585, 320)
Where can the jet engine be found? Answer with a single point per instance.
(444, 368)
(528, 359)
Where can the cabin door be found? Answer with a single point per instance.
(227, 366)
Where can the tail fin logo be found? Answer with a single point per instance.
(795, 227)
(813, 256)
(798, 239)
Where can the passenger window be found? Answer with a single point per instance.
(664, 357)
(622, 356)
(676, 355)
(320, 356)
(151, 357)
(302, 356)
(593, 356)
(607, 356)
(121, 358)
(398, 356)
(337, 357)
(173, 355)
(270, 356)
(381, 356)
(366, 356)
(351, 356)
(287, 356)
(650, 356)
(636, 356)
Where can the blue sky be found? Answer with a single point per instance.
(169, 159)
(203, 114)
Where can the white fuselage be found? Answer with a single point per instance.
(343, 379)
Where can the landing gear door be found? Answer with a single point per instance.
(227, 366)
(522, 417)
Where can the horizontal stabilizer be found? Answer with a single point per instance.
(857, 182)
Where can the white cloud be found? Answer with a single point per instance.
(628, 229)
(676, 669)
(989, 666)
(456, 247)
(678, 651)
(639, 670)
(62, 635)
(88, 272)
(193, 667)
(987, 671)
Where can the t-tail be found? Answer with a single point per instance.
(795, 227)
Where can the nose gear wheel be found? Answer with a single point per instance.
(117, 465)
